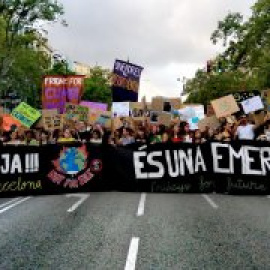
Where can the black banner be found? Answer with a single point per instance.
(240, 167)
(125, 81)
(237, 167)
(50, 169)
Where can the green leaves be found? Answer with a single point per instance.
(98, 87)
(23, 62)
(246, 58)
(230, 28)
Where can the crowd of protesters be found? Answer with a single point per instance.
(143, 133)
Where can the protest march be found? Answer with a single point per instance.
(77, 145)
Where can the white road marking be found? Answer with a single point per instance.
(14, 204)
(210, 201)
(141, 205)
(9, 202)
(79, 202)
(132, 254)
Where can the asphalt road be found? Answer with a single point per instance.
(134, 231)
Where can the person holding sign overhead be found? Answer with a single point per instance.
(245, 130)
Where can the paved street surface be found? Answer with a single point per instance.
(135, 231)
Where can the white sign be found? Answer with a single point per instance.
(252, 104)
(192, 114)
(120, 109)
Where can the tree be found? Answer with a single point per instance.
(206, 87)
(247, 42)
(19, 19)
(22, 62)
(245, 60)
(98, 86)
(60, 68)
(24, 75)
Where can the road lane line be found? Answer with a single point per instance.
(79, 202)
(210, 201)
(9, 202)
(141, 205)
(132, 254)
(14, 204)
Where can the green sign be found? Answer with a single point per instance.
(26, 114)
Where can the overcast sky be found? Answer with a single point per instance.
(169, 38)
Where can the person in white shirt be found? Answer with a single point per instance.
(245, 130)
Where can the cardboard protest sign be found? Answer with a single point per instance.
(176, 103)
(77, 112)
(10, 123)
(97, 106)
(165, 119)
(26, 114)
(210, 122)
(46, 118)
(137, 109)
(162, 104)
(45, 113)
(157, 104)
(252, 104)
(120, 109)
(148, 106)
(53, 121)
(58, 121)
(225, 106)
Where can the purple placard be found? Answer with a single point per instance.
(57, 90)
(55, 98)
(95, 105)
(127, 70)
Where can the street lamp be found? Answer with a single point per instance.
(182, 80)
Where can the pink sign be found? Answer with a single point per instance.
(95, 105)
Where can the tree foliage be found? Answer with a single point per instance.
(60, 68)
(245, 59)
(22, 61)
(98, 86)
